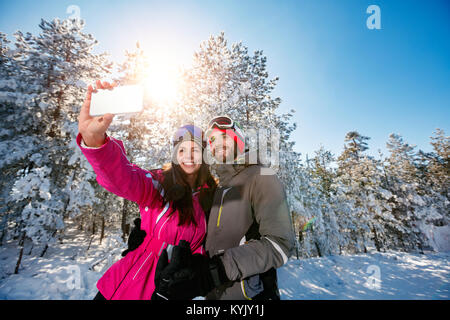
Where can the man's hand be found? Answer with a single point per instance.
(196, 276)
(181, 255)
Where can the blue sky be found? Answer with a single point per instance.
(336, 73)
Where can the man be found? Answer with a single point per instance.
(249, 231)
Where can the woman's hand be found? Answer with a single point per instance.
(93, 129)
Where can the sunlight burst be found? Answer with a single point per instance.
(162, 82)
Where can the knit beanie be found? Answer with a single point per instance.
(189, 133)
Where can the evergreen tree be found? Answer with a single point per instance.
(323, 237)
(407, 203)
(45, 94)
(439, 165)
(358, 185)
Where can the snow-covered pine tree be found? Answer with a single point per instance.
(320, 167)
(323, 237)
(408, 205)
(352, 227)
(358, 189)
(17, 101)
(5, 73)
(434, 185)
(439, 167)
(53, 68)
(374, 198)
(310, 243)
(87, 203)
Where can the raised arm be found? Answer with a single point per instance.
(116, 174)
(107, 155)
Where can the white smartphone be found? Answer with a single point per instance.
(120, 100)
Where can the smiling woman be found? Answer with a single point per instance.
(160, 195)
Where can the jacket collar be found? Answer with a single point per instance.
(226, 171)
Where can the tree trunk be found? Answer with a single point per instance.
(16, 271)
(4, 230)
(31, 249)
(102, 234)
(68, 198)
(90, 242)
(93, 225)
(300, 236)
(80, 226)
(318, 249)
(46, 246)
(377, 242)
(19, 260)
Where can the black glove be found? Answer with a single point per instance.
(180, 259)
(198, 279)
(161, 286)
(196, 276)
(136, 237)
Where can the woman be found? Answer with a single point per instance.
(172, 201)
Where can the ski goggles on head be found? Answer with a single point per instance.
(228, 127)
(224, 122)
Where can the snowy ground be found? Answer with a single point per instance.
(391, 275)
(66, 272)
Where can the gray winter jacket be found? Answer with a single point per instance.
(248, 198)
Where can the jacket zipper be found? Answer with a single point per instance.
(118, 286)
(157, 219)
(142, 265)
(159, 253)
(221, 206)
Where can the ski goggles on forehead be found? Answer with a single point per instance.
(223, 122)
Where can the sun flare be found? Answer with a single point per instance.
(162, 82)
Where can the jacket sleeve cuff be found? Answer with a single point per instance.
(83, 145)
(218, 272)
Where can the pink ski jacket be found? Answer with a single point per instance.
(132, 277)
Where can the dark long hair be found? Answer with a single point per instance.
(178, 191)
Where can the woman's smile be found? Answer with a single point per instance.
(189, 156)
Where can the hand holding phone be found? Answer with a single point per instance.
(117, 100)
(91, 128)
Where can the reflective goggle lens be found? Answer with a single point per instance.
(220, 121)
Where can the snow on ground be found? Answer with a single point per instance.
(390, 275)
(66, 272)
